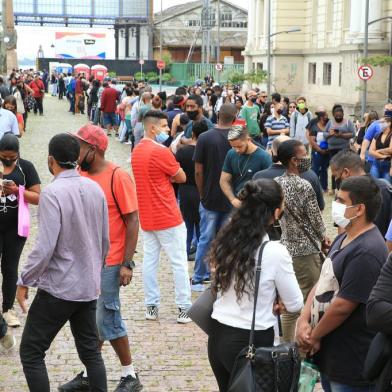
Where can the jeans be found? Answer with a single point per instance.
(320, 165)
(173, 242)
(46, 317)
(72, 103)
(225, 343)
(192, 230)
(331, 386)
(11, 246)
(380, 169)
(210, 223)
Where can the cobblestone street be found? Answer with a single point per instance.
(168, 356)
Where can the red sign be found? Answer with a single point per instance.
(365, 72)
(219, 67)
(161, 64)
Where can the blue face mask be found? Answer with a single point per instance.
(388, 113)
(162, 137)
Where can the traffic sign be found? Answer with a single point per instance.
(161, 64)
(219, 67)
(365, 72)
(141, 61)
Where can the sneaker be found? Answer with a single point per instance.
(7, 342)
(152, 312)
(183, 317)
(207, 280)
(197, 286)
(129, 384)
(78, 384)
(11, 318)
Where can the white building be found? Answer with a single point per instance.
(321, 61)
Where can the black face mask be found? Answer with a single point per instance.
(338, 119)
(253, 99)
(192, 114)
(8, 162)
(84, 165)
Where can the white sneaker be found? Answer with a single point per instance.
(11, 318)
(151, 313)
(7, 342)
(183, 317)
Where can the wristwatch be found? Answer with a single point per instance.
(129, 264)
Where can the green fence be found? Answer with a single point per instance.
(188, 73)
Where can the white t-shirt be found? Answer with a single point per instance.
(277, 275)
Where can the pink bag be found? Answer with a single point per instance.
(23, 214)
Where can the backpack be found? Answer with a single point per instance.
(296, 119)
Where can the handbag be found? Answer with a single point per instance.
(23, 214)
(29, 102)
(201, 310)
(265, 369)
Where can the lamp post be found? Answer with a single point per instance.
(160, 50)
(290, 30)
(365, 55)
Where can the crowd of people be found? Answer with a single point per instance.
(218, 176)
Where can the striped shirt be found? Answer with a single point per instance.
(276, 125)
(153, 164)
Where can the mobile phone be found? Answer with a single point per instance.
(7, 182)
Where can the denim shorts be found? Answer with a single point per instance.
(110, 119)
(109, 321)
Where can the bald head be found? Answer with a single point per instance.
(277, 142)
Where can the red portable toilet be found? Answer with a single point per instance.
(99, 72)
(82, 69)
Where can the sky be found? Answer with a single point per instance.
(45, 36)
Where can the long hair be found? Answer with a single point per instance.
(232, 255)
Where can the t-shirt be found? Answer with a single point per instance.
(251, 114)
(23, 174)
(188, 128)
(356, 267)
(339, 143)
(125, 193)
(372, 132)
(316, 132)
(276, 125)
(153, 165)
(242, 167)
(384, 215)
(211, 150)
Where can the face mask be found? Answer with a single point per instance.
(338, 119)
(278, 111)
(253, 99)
(388, 113)
(192, 114)
(162, 137)
(304, 164)
(84, 165)
(8, 162)
(338, 212)
(301, 106)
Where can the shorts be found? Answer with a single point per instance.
(110, 119)
(109, 321)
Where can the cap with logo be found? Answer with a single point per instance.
(93, 135)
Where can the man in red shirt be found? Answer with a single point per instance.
(79, 93)
(38, 87)
(155, 169)
(108, 108)
(120, 193)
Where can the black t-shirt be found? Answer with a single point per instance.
(184, 157)
(356, 267)
(23, 174)
(277, 170)
(384, 215)
(211, 149)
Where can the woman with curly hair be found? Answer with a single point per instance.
(233, 259)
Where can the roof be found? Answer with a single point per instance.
(176, 10)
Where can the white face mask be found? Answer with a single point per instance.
(338, 212)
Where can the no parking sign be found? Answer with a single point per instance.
(365, 72)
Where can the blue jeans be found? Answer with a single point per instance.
(192, 230)
(320, 165)
(331, 386)
(380, 169)
(210, 223)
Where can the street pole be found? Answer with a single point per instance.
(218, 37)
(269, 50)
(365, 55)
(390, 67)
(160, 50)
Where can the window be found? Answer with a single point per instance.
(340, 74)
(327, 74)
(312, 73)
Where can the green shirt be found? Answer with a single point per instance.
(242, 167)
(250, 114)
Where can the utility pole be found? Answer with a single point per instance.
(269, 50)
(218, 35)
(160, 49)
(365, 55)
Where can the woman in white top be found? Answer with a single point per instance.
(233, 259)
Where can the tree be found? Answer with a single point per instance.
(376, 61)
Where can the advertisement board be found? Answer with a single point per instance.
(71, 45)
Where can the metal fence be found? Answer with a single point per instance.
(188, 73)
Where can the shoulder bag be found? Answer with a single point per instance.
(265, 369)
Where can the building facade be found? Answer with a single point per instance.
(321, 61)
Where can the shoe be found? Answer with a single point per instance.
(7, 342)
(78, 384)
(192, 257)
(11, 318)
(183, 317)
(152, 312)
(207, 280)
(197, 286)
(129, 384)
